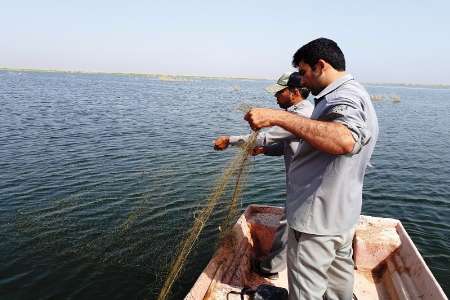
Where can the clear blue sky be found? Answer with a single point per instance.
(384, 41)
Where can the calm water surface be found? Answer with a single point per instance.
(101, 176)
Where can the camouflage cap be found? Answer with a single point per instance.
(289, 79)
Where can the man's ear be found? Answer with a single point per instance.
(322, 65)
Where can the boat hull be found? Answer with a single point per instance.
(387, 264)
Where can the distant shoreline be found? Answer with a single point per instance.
(193, 77)
(156, 75)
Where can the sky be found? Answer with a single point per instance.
(383, 41)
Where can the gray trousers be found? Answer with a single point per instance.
(320, 267)
(275, 261)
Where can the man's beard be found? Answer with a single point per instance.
(315, 91)
(283, 105)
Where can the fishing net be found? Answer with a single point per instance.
(49, 229)
(237, 170)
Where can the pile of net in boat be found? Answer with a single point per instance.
(235, 173)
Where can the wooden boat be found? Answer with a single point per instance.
(387, 264)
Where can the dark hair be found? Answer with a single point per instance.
(304, 92)
(320, 48)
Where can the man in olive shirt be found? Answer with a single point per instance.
(324, 193)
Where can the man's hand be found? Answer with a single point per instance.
(222, 142)
(261, 117)
(258, 150)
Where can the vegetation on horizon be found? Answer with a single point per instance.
(175, 77)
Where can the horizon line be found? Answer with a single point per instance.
(127, 73)
(43, 70)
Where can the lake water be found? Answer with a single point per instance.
(101, 176)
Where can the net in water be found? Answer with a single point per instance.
(237, 169)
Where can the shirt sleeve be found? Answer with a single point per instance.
(267, 137)
(274, 135)
(236, 140)
(351, 114)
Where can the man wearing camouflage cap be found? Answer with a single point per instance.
(276, 141)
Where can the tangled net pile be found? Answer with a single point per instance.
(238, 169)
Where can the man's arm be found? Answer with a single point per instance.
(329, 137)
(274, 135)
(223, 141)
(265, 138)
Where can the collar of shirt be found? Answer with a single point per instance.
(292, 108)
(331, 87)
